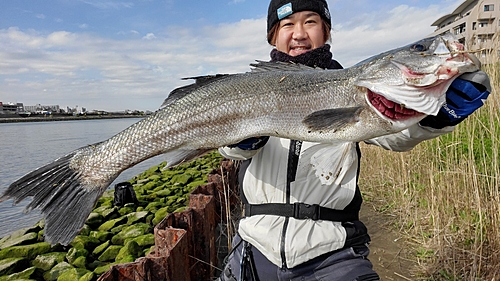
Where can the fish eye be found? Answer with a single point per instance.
(418, 48)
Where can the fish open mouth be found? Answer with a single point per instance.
(390, 109)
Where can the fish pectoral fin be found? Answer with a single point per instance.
(332, 119)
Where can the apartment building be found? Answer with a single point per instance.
(476, 23)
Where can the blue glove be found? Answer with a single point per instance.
(251, 143)
(464, 96)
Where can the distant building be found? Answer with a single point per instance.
(476, 23)
(41, 108)
(11, 108)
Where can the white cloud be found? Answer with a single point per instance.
(397, 27)
(149, 36)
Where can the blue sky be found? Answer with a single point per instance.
(116, 55)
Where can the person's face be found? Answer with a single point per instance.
(299, 33)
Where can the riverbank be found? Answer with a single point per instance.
(14, 118)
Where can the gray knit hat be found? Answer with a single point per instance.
(280, 9)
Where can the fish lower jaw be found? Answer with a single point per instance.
(389, 109)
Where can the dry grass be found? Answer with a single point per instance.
(445, 193)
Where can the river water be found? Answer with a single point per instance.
(27, 146)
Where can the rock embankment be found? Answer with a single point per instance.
(112, 235)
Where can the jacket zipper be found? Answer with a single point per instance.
(293, 161)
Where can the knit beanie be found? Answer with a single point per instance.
(280, 9)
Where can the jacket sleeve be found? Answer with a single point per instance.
(409, 138)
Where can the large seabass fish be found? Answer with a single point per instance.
(381, 95)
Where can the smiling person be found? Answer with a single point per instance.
(296, 227)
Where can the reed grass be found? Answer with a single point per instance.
(445, 194)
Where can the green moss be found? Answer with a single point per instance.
(110, 253)
(12, 265)
(100, 249)
(25, 251)
(23, 275)
(47, 261)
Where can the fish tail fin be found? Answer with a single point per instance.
(59, 192)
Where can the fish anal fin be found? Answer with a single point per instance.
(332, 119)
(180, 156)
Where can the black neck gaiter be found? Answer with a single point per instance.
(320, 57)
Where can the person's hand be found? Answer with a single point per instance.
(465, 95)
(251, 143)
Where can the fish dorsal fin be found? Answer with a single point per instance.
(180, 92)
(263, 66)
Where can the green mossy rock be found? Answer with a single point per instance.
(56, 271)
(180, 209)
(160, 215)
(142, 181)
(128, 208)
(152, 171)
(26, 251)
(126, 259)
(72, 274)
(23, 275)
(89, 276)
(12, 265)
(85, 230)
(106, 201)
(75, 253)
(110, 224)
(132, 231)
(155, 178)
(145, 240)
(110, 214)
(101, 235)
(110, 253)
(80, 262)
(117, 229)
(149, 186)
(137, 217)
(20, 240)
(171, 200)
(164, 193)
(95, 218)
(182, 179)
(195, 184)
(20, 232)
(100, 249)
(86, 242)
(101, 269)
(148, 250)
(131, 248)
(95, 264)
(153, 206)
(47, 261)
